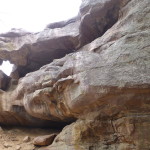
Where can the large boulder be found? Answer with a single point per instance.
(82, 82)
(116, 88)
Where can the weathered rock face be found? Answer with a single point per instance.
(105, 86)
(30, 51)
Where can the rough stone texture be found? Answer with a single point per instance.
(4, 81)
(44, 140)
(30, 51)
(26, 139)
(100, 133)
(62, 23)
(105, 86)
(14, 33)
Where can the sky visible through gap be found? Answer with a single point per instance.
(33, 16)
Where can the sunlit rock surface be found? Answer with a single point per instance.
(102, 85)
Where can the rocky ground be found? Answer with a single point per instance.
(21, 138)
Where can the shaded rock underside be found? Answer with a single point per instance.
(102, 85)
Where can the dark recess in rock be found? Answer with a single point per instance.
(30, 51)
(4, 81)
(101, 89)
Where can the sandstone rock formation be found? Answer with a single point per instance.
(30, 51)
(102, 85)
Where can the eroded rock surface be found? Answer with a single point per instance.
(30, 51)
(105, 86)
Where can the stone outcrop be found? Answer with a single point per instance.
(30, 51)
(103, 87)
(62, 23)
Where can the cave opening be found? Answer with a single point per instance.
(6, 67)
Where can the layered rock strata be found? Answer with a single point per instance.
(103, 88)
